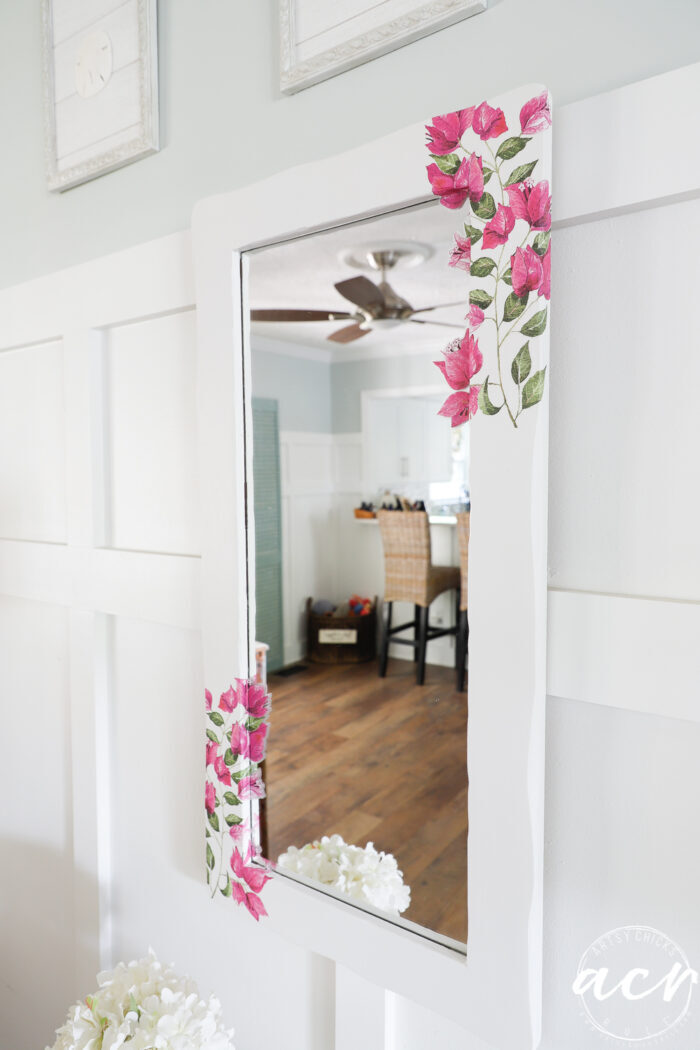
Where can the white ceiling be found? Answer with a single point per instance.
(302, 274)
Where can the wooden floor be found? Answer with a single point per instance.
(380, 760)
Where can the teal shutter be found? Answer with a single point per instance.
(267, 506)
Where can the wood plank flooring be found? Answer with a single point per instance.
(380, 760)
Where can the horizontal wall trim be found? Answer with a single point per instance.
(161, 589)
(638, 654)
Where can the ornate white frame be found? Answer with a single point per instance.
(147, 138)
(495, 992)
(424, 19)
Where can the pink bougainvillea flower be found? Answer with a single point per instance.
(238, 892)
(475, 315)
(446, 131)
(253, 698)
(256, 746)
(240, 743)
(210, 797)
(498, 230)
(255, 906)
(255, 878)
(460, 407)
(208, 699)
(222, 771)
(488, 122)
(467, 182)
(251, 787)
(212, 752)
(238, 832)
(461, 254)
(535, 115)
(532, 203)
(228, 700)
(544, 288)
(462, 360)
(526, 271)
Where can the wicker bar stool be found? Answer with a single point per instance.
(410, 576)
(462, 646)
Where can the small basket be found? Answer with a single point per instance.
(359, 513)
(340, 639)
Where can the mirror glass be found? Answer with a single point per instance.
(359, 506)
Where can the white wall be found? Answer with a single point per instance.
(100, 679)
(224, 124)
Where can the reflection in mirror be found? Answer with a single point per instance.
(360, 515)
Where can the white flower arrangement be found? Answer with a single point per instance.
(144, 1006)
(364, 874)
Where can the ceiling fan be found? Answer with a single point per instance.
(377, 305)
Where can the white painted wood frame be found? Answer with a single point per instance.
(507, 596)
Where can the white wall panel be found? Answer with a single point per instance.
(161, 894)
(37, 878)
(625, 426)
(151, 434)
(32, 448)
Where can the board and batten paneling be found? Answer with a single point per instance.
(61, 591)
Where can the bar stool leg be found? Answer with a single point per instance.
(416, 632)
(422, 643)
(462, 647)
(384, 648)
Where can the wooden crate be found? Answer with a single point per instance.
(340, 639)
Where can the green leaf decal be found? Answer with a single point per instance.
(533, 389)
(514, 306)
(449, 163)
(541, 242)
(507, 277)
(239, 775)
(233, 819)
(229, 757)
(216, 718)
(485, 208)
(214, 821)
(488, 172)
(511, 147)
(482, 267)
(231, 799)
(226, 891)
(536, 325)
(519, 174)
(254, 723)
(213, 737)
(522, 365)
(210, 857)
(485, 403)
(472, 233)
(480, 298)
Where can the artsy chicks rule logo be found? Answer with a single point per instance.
(635, 985)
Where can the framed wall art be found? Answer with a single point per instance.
(100, 87)
(318, 41)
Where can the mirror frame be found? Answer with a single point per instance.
(495, 991)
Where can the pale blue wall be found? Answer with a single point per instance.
(301, 387)
(224, 123)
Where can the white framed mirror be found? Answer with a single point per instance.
(507, 470)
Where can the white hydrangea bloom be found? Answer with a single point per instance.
(363, 874)
(144, 1006)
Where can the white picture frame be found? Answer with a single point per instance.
(100, 70)
(351, 40)
(507, 671)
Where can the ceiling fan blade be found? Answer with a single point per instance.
(362, 292)
(440, 324)
(348, 334)
(439, 306)
(299, 315)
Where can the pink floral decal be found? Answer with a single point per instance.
(506, 242)
(235, 748)
(536, 115)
